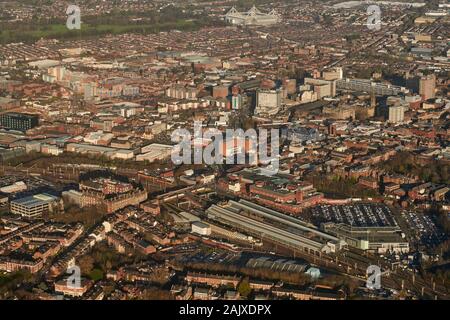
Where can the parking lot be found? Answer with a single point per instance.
(34, 184)
(422, 229)
(208, 255)
(360, 215)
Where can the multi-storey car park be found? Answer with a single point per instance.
(274, 226)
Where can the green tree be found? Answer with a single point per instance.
(244, 287)
(96, 274)
(86, 264)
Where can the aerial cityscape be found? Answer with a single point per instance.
(224, 150)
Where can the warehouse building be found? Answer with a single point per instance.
(155, 151)
(201, 228)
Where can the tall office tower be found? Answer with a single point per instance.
(268, 102)
(396, 114)
(236, 102)
(427, 86)
(290, 86)
(373, 99)
(323, 88)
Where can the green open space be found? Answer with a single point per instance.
(60, 30)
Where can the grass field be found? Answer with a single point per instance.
(60, 31)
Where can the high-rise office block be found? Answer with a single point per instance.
(268, 102)
(427, 86)
(396, 114)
